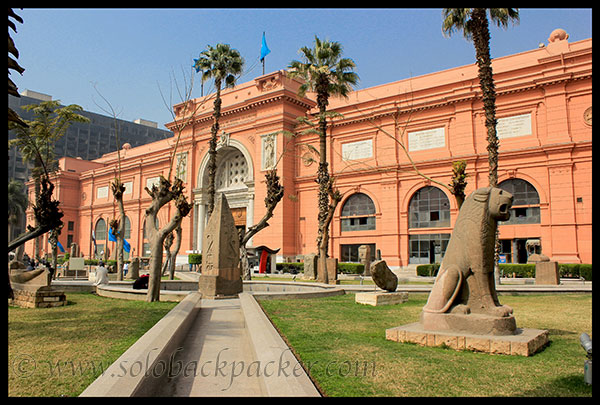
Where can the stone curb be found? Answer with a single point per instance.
(270, 348)
(291, 290)
(128, 293)
(137, 371)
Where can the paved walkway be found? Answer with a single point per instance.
(215, 357)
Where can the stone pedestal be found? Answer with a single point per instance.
(378, 298)
(547, 273)
(42, 297)
(31, 289)
(477, 324)
(524, 342)
(214, 286)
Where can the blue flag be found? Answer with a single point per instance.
(113, 238)
(195, 65)
(60, 247)
(264, 49)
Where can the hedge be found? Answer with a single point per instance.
(565, 270)
(288, 267)
(428, 270)
(343, 267)
(351, 268)
(575, 270)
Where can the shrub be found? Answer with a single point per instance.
(585, 271)
(428, 270)
(351, 268)
(519, 270)
(62, 259)
(290, 267)
(195, 258)
(575, 270)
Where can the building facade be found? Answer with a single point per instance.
(391, 152)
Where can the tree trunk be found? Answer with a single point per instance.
(118, 225)
(178, 232)
(274, 195)
(161, 195)
(335, 197)
(244, 263)
(155, 267)
(212, 149)
(323, 180)
(120, 238)
(481, 39)
(36, 242)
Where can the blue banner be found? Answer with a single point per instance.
(264, 49)
(113, 238)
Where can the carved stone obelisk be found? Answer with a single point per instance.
(221, 276)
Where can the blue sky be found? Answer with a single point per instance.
(130, 53)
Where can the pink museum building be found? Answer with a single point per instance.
(544, 111)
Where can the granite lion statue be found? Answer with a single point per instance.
(465, 282)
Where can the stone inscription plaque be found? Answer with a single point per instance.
(510, 127)
(427, 139)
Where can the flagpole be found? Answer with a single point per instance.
(264, 51)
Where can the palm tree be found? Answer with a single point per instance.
(474, 24)
(222, 64)
(325, 72)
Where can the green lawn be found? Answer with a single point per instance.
(60, 351)
(343, 346)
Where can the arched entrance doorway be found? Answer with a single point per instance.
(235, 179)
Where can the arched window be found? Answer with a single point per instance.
(358, 213)
(127, 236)
(232, 171)
(100, 236)
(429, 208)
(127, 228)
(526, 202)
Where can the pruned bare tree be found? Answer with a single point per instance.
(162, 194)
